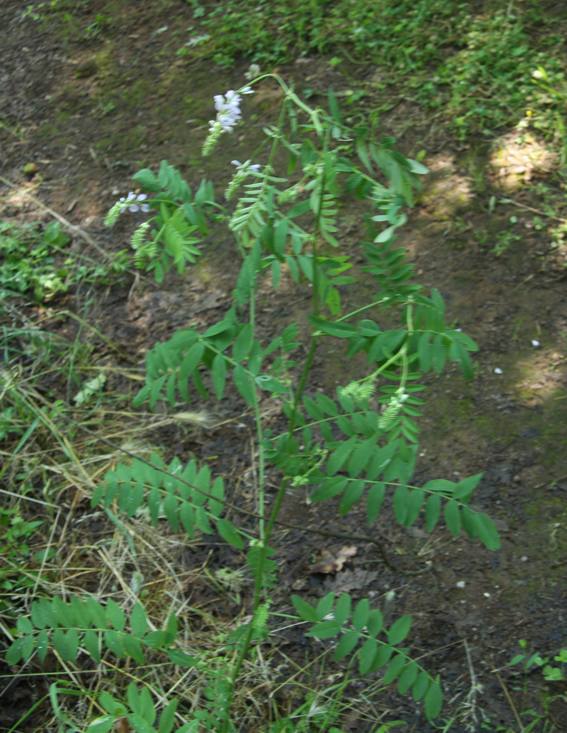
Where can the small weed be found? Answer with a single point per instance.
(35, 260)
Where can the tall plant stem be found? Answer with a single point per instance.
(284, 485)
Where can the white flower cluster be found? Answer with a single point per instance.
(228, 115)
(134, 202)
(228, 110)
(247, 165)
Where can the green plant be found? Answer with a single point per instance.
(552, 668)
(15, 533)
(35, 259)
(358, 446)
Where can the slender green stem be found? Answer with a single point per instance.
(284, 485)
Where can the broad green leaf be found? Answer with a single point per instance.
(133, 648)
(188, 366)
(401, 503)
(42, 645)
(432, 512)
(66, 644)
(245, 385)
(92, 645)
(167, 718)
(230, 534)
(14, 653)
(325, 630)
(433, 700)
(346, 644)
(140, 724)
(374, 501)
(407, 678)
(28, 646)
(453, 517)
(333, 328)
(24, 625)
(103, 724)
(420, 686)
(176, 656)
(218, 375)
(394, 668)
(325, 605)
(339, 456)
(304, 609)
(465, 488)
(366, 655)
(243, 343)
(147, 708)
(113, 640)
(352, 493)
(382, 657)
(139, 620)
(414, 504)
(399, 630)
(360, 614)
(375, 622)
(487, 532)
(343, 608)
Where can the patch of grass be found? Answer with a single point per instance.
(479, 69)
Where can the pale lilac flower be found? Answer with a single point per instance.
(248, 165)
(535, 343)
(136, 200)
(228, 110)
(228, 114)
(497, 370)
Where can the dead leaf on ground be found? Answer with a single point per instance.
(331, 562)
